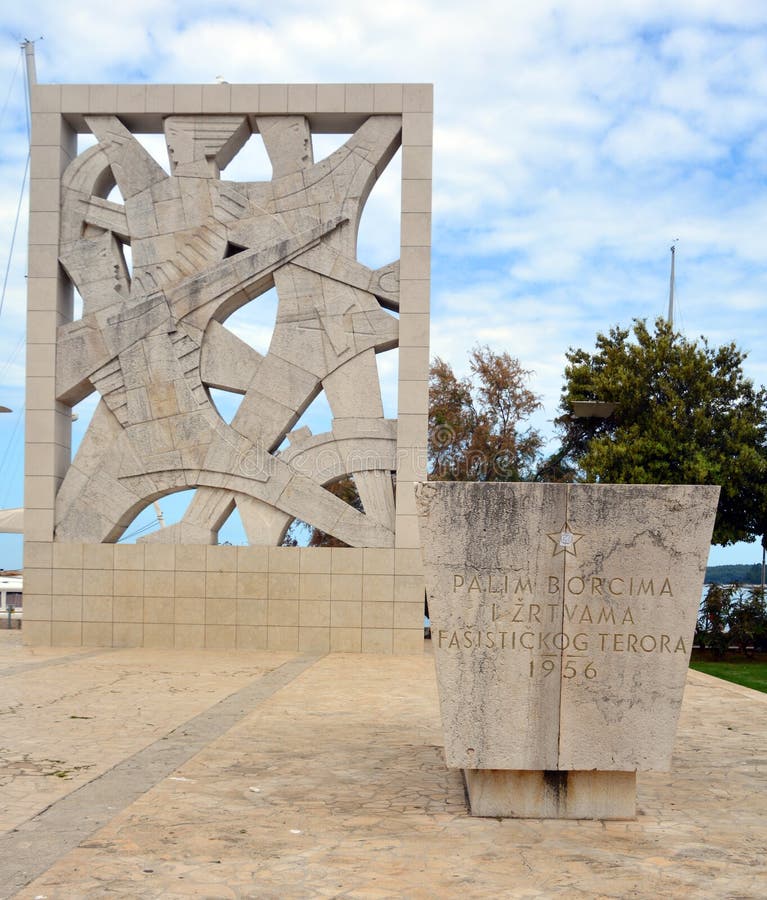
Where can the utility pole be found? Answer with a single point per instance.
(671, 286)
(29, 58)
(28, 47)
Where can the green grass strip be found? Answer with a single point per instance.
(749, 674)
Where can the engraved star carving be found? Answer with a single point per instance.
(565, 540)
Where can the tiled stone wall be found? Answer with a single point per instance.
(276, 598)
(368, 600)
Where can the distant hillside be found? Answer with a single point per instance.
(734, 574)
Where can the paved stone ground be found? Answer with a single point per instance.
(139, 773)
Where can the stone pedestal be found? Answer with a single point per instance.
(562, 619)
(501, 793)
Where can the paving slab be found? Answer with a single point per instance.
(303, 777)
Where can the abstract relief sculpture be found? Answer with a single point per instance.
(151, 341)
(163, 248)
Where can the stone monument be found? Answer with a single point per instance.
(152, 341)
(562, 624)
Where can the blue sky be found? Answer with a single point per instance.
(573, 142)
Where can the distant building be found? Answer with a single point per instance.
(11, 591)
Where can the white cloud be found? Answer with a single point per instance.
(573, 141)
(652, 138)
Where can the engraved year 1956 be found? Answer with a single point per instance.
(570, 669)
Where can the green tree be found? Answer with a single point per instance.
(475, 423)
(684, 414)
(732, 616)
(748, 621)
(712, 632)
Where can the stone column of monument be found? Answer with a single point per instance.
(49, 305)
(152, 339)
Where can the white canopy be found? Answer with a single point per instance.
(11, 521)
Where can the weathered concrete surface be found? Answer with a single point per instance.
(551, 795)
(335, 786)
(88, 711)
(202, 248)
(563, 618)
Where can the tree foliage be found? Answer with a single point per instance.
(475, 432)
(475, 423)
(713, 622)
(685, 414)
(732, 616)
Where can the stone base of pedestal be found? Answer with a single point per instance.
(511, 794)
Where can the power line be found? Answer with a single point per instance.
(13, 236)
(12, 358)
(10, 88)
(26, 171)
(154, 524)
(19, 417)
